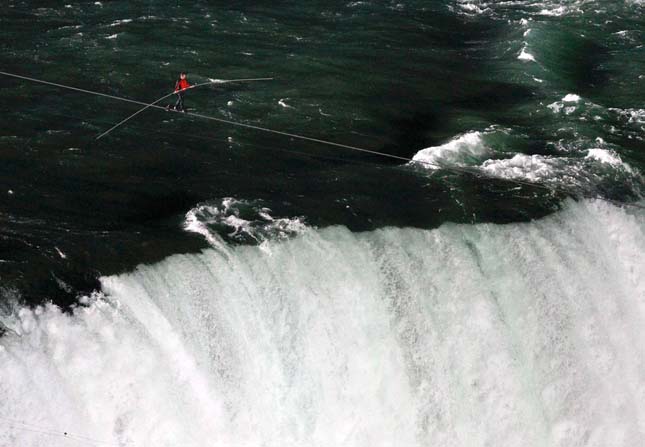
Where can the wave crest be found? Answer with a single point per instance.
(240, 221)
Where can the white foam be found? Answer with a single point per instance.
(634, 116)
(565, 104)
(284, 104)
(571, 98)
(195, 225)
(240, 220)
(525, 55)
(60, 253)
(395, 337)
(579, 170)
(120, 22)
(604, 156)
(556, 107)
(473, 7)
(574, 171)
(524, 167)
(609, 157)
(555, 12)
(460, 150)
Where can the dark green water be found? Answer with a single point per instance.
(545, 92)
(187, 282)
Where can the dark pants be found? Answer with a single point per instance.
(179, 105)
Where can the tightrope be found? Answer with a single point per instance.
(212, 118)
(123, 121)
(48, 431)
(306, 138)
(210, 82)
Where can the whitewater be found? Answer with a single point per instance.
(464, 335)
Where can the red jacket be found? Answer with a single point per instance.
(181, 84)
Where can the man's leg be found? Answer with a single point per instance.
(179, 105)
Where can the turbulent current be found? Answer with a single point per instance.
(514, 335)
(187, 282)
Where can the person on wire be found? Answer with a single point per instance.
(180, 89)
